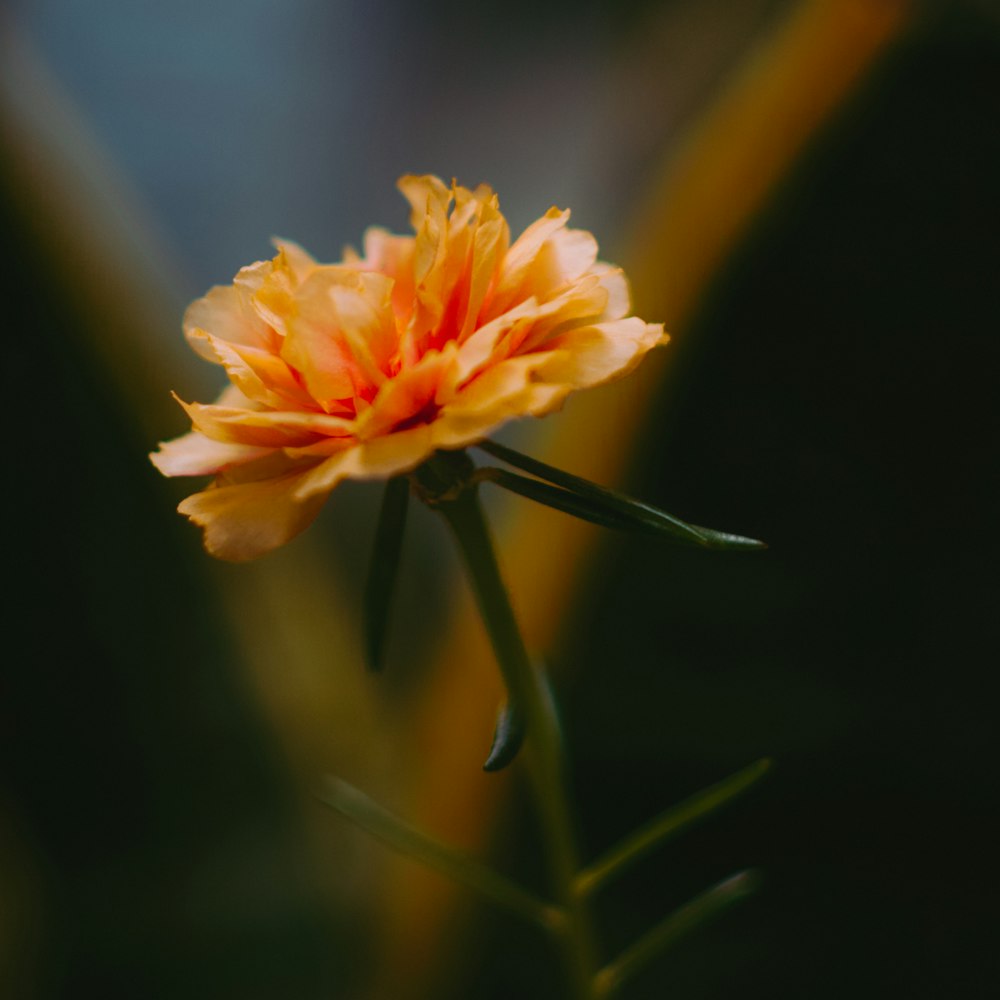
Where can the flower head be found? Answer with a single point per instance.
(362, 369)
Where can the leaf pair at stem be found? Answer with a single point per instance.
(444, 477)
(502, 891)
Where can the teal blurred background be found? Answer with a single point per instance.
(833, 393)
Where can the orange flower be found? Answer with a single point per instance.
(362, 369)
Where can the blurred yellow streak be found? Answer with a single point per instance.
(711, 187)
(723, 174)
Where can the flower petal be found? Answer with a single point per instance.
(582, 302)
(226, 313)
(441, 263)
(488, 250)
(379, 458)
(264, 428)
(573, 252)
(518, 261)
(271, 287)
(478, 350)
(428, 199)
(299, 262)
(193, 454)
(411, 396)
(244, 520)
(527, 326)
(342, 333)
(457, 427)
(260, 375)
(494, 388)
(364, 318)
(314, 347)
(392, 256)
(590, 355)
(616, 284)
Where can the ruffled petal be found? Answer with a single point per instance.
(225, 313)
(616, 285)
(494, 387)
(454, 263)
(260, 375)
(392, 256)
(479, 349)
(489, 246)
(364, 318)
(583, 302)
(570, 253)
(299, 262)
(314, 348)
(590, 355)
(519, 259)
(410, 397)
(379, 458)
(428, 199)
(271, 287)
(342, 333)
(193, 454)
(242, 520)
(458, 427)
(264, 428)
(566, 256)
(528, 325)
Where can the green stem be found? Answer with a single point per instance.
(544, 745)
(384, 566)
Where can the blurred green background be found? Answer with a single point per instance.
(164, 719)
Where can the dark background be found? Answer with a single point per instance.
(836, 397)
(839, 400)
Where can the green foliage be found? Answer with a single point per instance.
(602, 506)
(447, 482)
(376, 820)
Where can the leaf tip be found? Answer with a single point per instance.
(724, 541)
(507, 738)
(741, 884)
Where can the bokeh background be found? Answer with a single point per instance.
(806, 192)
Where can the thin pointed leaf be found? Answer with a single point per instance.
(560, 499)
(507, 737)
(668, 932)
(639, 843)
(383, 569)
(628, 516)
(637, 512)
(458, 866)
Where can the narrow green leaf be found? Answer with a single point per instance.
(383, 569)
(634, 513)
(376, 820)
(668, 932)
(507, 737)
(559, 499)
(640, 842)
